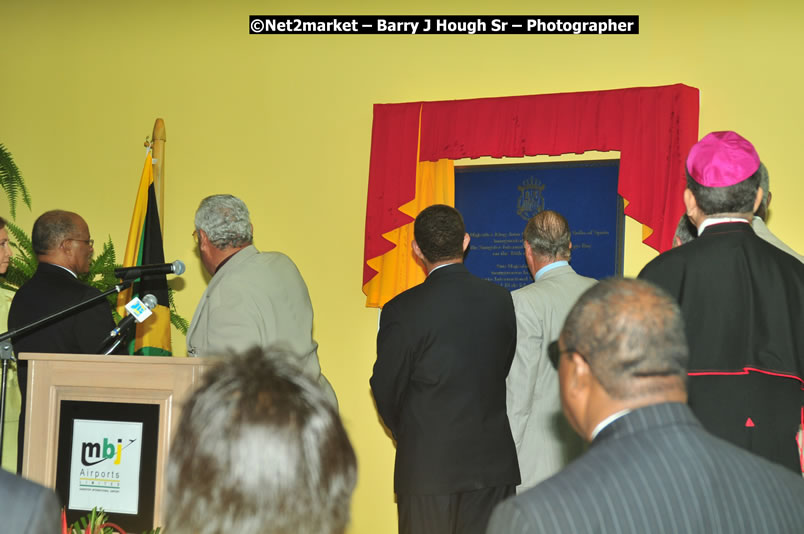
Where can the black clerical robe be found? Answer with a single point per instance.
(743, 304)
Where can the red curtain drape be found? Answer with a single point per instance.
(652, 127)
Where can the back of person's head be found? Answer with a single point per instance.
(723, 173)
(439, 232)
(764, 183)
(225, 220)
(51, 228)
(548, 235)
(259, 450)
(631, 333)
(685, 231)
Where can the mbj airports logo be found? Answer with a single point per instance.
(90, 451)
(103, 457)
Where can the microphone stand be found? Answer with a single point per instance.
(7, 351)
(118, 338)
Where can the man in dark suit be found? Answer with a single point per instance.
(63, 246)
(27, 507)
(443, 351)
(651, 466)
(743, 303)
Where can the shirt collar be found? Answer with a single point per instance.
(549, 267)
(227, 258)
(607, 421)
(65, 268)
(719, 220)
(440, 266)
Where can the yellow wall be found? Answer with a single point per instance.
(285, 121)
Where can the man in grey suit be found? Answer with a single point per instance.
(761, 215)
(651, 466)
(27, 507)
(254, 298)
(544, 441)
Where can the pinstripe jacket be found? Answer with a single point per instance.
(27, 507)
(657, 470)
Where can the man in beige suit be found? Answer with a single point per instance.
(544, 440)
(254, 298)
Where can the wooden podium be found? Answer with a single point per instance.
(136, 380)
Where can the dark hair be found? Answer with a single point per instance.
(764, 183)
(632, 334)
(259, 449)
(548, 235)
(50, 229)
(686, 230)
(737, 198)
(439, 232)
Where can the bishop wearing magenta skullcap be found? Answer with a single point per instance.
(743, 304)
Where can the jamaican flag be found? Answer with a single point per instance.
(144, 247)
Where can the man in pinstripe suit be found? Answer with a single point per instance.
(651, 467)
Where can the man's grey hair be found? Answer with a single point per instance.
(259, 450)
(225, 220)
(548, 235)
(631, 333)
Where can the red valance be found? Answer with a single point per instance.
(652, 127)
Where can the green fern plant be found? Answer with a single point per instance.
(11, 181)
(23, 264)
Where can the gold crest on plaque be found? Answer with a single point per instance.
(531, 199)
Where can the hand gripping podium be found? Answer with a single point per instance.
(99, 428)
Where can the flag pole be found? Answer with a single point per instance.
(158, 143)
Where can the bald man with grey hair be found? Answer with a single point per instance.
(544, 441)
(254, 298)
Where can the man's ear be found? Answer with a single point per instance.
(693, 212)
(417, 251)
(575, 381)
(466, 240)
(758, 199)
(529, 257)
(580, 370)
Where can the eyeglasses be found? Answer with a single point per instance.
(90, 242)
(195, 236)
(554, 352)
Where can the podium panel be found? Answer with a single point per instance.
(139, 396)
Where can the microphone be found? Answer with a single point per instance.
(139, 310)
(128, 273)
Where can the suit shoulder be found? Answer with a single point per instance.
(404, 299)
(668, 259)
